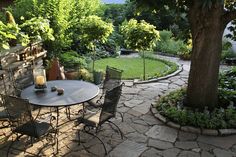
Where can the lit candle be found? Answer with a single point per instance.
(40, 80)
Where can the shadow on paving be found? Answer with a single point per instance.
(68, 141)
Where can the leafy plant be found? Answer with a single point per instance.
(167, 44)
(186, 50)
(227, 87)
(37, 29)
(72, 60)
(172, 107)
(64, 16)
(7, 32)
(84, 74)
(227, 51)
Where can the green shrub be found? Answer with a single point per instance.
(169, 45)
(7, 32)
(84, 74)
(165, 35)
(72, 60)
(227, 51)
(64, 16)
(38, 29)
(227, 87)
(172, 107)
(186, 50)
(114, 42)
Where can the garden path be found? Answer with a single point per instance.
(146, 136)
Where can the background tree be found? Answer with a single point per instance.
(93, 31)
(140, 36)
(64, 16)
(114, 13)
(165, 18)
(208, 19)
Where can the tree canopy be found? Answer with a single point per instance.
(139, 36)
(184, 6)
(94, 30)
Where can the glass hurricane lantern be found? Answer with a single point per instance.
(40, 79)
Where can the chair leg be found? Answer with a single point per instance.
(99, 140)
(8, 150)
(78, 137)
(12, 142)
(121, 133)
(68, 113)
(122, 117)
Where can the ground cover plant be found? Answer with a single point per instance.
(130, 66)
(223, 116)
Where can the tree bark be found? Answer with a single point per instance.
(207, 30)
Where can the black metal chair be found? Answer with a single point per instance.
(4, 118)
(112, 78)
(22, 121)
(4, 124)
(108, 111)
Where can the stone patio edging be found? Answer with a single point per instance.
(211, 132)
(180, 69)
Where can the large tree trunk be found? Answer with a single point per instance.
(207, 30)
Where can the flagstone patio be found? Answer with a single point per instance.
(145, 136)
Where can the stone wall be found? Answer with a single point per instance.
(17, 66)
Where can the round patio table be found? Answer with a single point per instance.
(75, 92)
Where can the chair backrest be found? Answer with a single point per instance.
(112, 78)
(3, 112)
(18, 109)
(111, 100)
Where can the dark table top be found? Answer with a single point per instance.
(75, 92)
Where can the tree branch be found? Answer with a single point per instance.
(229, 16)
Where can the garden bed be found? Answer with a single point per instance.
(220, 121)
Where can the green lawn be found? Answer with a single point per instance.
(133, 67)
